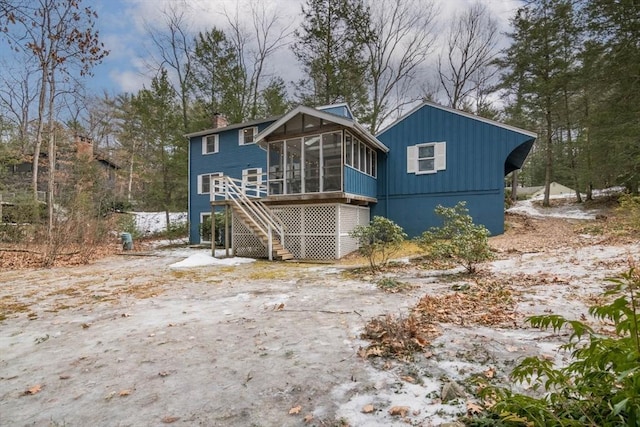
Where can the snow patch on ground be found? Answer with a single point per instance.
(202, 257)
(530, 208)
(148, 223)
(527, 207)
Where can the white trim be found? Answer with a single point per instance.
(241, 135)
(460, 113)
(343, 121)
(201, 179)
(439, 157)
(202, 215)
(216, 144)
(257, 174)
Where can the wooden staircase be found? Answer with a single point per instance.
(254, 214)
(278, 251)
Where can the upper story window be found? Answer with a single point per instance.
(426, 158)
(247, 135)
(210, 144)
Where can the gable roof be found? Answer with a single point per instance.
(242, 125)
(356, 127)
(341, 109)
(460, 113)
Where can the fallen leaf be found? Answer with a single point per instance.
(124, 393)
(408, 379)
(295, 410)
(64, 377)
(367, 409)
(473, 408)
(169, 420)
(399, 411)
(163, 373)
(511, 348)
(85, 325)
(33, 390)
(308, 418)
(279, 307)
(490, 373)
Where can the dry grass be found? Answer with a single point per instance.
(408, 249)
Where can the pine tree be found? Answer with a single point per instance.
(331, 48)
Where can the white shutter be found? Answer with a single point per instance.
(199, 184)
(241, 137)
(440, 151)
(204, 145)
(412, 159)
(259, 177)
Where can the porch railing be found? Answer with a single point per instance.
(245, 195)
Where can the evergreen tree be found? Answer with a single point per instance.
(614, 27)
(331, 48)
(165, 174)
(216, 78)
(536, 70)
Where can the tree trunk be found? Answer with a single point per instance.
(52, 155)
(572, 150)
(42, 99)
(514, 186)
(549, 155)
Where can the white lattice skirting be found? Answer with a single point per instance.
(312, 231)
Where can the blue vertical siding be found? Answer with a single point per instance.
(230, 159)
(476, 152)
(356, 182)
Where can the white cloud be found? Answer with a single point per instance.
(128, 80)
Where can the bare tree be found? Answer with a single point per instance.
(174, 49)
(253, 47)
(16, 99)
(465, 66)
(60, 36)
(404, 39)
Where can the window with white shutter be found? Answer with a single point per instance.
(429, 157)
(209, 144)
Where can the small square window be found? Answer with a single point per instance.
(210, 144)
(248, 135)
(426, 158)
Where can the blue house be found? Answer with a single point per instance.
(295, 186)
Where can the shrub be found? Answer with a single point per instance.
(458, 240)
(601, 386)
(379, 240)
(629, 210)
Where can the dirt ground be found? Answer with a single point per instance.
(129, 341)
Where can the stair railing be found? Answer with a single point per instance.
(234, 190)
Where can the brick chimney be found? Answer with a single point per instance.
(219, 121)
(84, 146)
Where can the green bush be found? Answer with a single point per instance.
(600, 387)
(127, 224)
(379, 240)
(458, 240)
(629, 210)
(206, 230)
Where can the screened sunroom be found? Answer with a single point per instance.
(314, 154)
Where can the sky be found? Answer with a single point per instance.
(123, 29)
